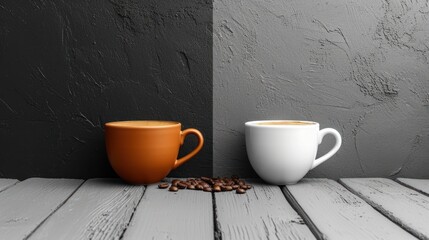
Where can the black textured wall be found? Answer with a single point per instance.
(67, 67)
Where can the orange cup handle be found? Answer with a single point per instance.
(183, 134)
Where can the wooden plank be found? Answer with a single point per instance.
(186, 214)
(262, 213)
(406, 207)
(5, 183)
(100, 209)
(339, 214)
(26, 205)
(421, 185)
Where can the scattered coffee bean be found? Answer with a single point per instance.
(240, 191)
(206, 179)
(217, 189)
(215, 184)
(163, 185)
(181, 185)
(175, 182)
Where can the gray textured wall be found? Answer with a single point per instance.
(360, 66)
(67, 67)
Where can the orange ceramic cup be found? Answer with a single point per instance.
(143, 152)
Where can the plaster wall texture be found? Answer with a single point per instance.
(361, 67)
(67, 67)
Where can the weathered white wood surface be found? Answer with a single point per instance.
(418, 184)
(406, 207)
(262, 213)
(6, 183)
(339, 214)
(100, 209)
(186, 214)
(28, 203)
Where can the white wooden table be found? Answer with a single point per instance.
(365, 208)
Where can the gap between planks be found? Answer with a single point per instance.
(6, 183)
(294, 203)
(217, 235)
(419, 185)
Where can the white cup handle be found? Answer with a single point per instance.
(337, 146)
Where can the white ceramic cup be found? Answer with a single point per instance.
(283, 151)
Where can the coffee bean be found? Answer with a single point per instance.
(228, 188)
(199, 187)
(163, 185)
(207, 189)
(173, 189)
(192, 187)
(235, 187)
(181, 185)
(206, 179)
(240, 191)
(175, 182)
(217, 189)
(248, 186)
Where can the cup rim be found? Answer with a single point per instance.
(257, 124)
(133, 124)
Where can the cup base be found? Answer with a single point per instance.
(292, 183)
(280, 182)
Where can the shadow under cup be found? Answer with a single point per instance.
(144, 152)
